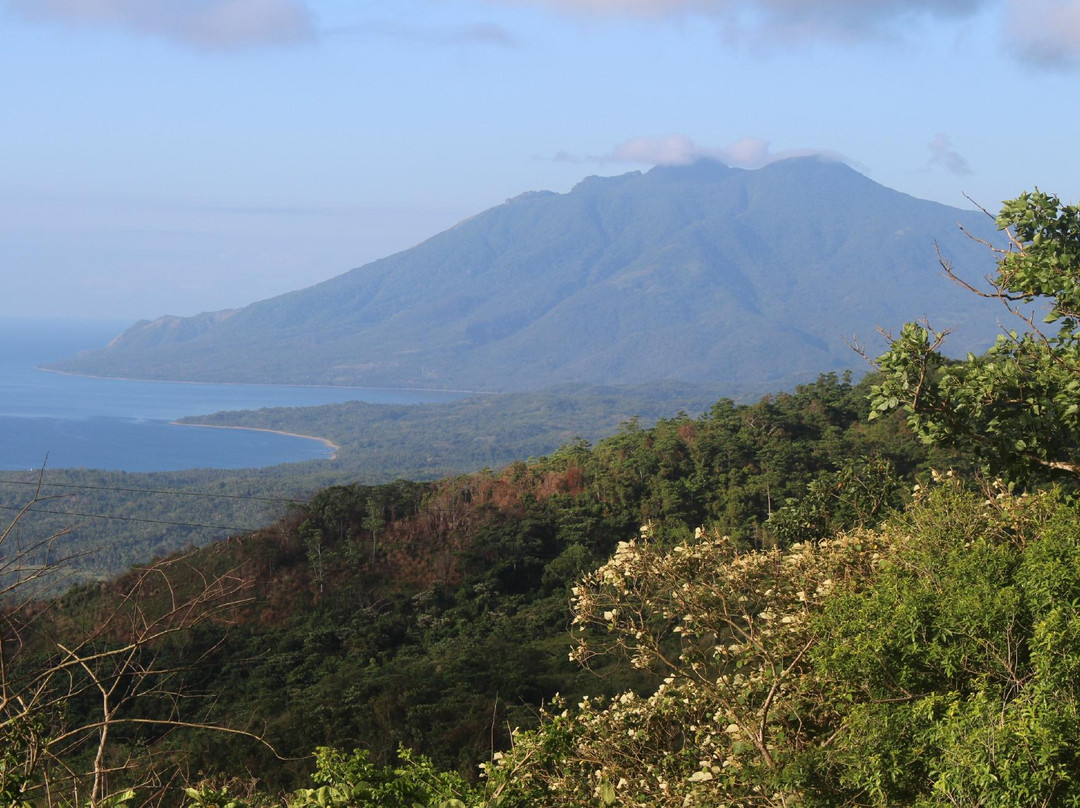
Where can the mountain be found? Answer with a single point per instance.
(755, 279)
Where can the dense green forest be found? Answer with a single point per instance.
(112, 520)
(851, 594)
(433, 615)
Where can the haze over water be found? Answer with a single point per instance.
(125, 425)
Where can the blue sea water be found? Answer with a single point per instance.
(81, 422)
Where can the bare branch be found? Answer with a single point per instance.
(115, 656)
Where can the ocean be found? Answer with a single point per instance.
(81, 422)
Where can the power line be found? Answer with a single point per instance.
(129, 519)
(45, 484)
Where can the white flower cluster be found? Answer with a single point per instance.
(730, 631)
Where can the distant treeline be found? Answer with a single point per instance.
(112, 520)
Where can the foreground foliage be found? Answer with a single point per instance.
(933, 662)
(731, 632)
(1015, 410)
(84, 697)
(351, 780)
(959, 663)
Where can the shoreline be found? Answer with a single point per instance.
(267, 384)
(329, 444)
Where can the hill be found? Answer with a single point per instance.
(700, 272)
(434, 614)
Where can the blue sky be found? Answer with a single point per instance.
(178, 156)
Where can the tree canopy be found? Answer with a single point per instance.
(932, 662)
(1015, 409)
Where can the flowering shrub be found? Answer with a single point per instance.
(730, 632)
(933, 662)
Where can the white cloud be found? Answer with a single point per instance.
(1045, 32)
(669, 150)
(943, 154)
(791, 18)
(207, 24)
(679, 149)
(1042, 32)
(750, 152)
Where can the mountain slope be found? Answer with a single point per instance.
(702, 272)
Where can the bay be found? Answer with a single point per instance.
(84, 422)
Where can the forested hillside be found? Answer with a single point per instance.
(434, 614)
(847, 595)
(112, 520)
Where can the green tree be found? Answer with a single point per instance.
(858, 495)
(344, 780)
(1016, 408)
(934, 661)
(957, 667)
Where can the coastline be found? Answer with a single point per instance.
(268, 384)
(329, 444)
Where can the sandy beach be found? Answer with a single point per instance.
(329, 444)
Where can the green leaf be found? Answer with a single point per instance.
(607, 793)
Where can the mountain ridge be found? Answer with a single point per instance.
(696, 272)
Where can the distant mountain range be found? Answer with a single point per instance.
(703, 273)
